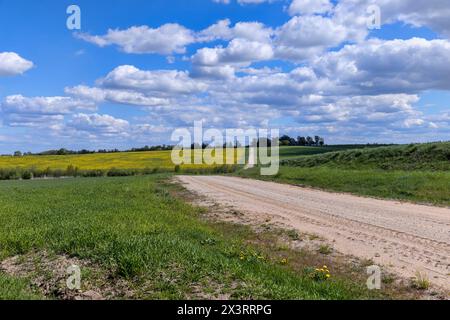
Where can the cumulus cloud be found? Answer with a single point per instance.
(352, 87)
(18, 110)
(305, 36)
(396, 66)
(44, 105)
(97, 124)
(432, 14)
(161, 82)
(222, 30)
(12, 64)
(168, 39)
(127, 97)
(239, 52)
(301, 7)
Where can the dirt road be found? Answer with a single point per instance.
(407, 238)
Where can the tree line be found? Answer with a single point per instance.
(308, 141)
(64, 152)
(285, 140)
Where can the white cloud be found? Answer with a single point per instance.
(309, 7)
(167, 39)
(127, 97)
(20, 111)
(12, 64)
(239, 51)
(103, 125)
(252, 31)
(395, 66)
(44, 105)
(161, 82)
(305, 36)
(432, 13)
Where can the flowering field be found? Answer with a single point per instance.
(129, 160)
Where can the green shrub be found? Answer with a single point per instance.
(27, 175)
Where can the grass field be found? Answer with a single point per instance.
(134, 235)
(430, 156)
(418, 173)
(294, 153)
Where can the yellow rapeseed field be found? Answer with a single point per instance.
(98, 161)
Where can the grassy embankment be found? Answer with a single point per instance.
(140, 239)
(418, 173)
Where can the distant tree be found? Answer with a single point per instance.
(292, 142)
(285, 140)
(309, 141)
(317, 140)
(17, 154)
(62, 152)
(321, 142)
(301, 141)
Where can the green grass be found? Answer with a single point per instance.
(135, 230)
(417, 186)
(417, 173)
(431, 156)
(14, 289)
(292, 153)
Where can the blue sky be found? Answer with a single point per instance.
(306, 67)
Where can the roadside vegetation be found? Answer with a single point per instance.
(431, 157)
(417, 173)
(136, 238)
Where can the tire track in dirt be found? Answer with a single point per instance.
(405, 237)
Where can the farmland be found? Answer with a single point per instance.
(129, 160)
(418, 173)
(124, 160)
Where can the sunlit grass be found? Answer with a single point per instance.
(136, 231)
